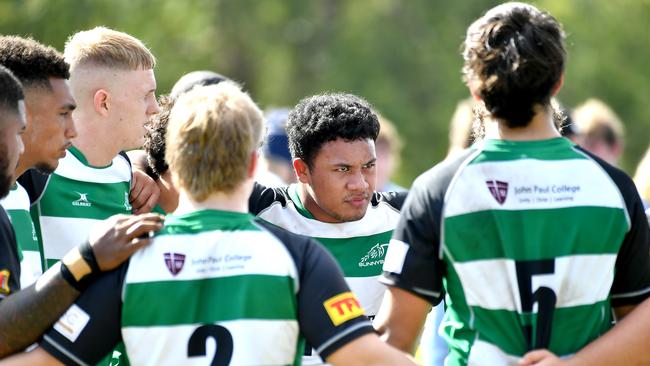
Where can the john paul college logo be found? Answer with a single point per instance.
(498, 189)
(174, 262)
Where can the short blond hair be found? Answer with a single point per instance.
(108, 48)
(598, 123)
(212, 132)
(642, 177)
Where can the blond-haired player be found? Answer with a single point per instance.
(253, 289)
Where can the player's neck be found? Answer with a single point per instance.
(168, 199)
(24, 163)
(236, 201)
(99, 148)
(541, 127)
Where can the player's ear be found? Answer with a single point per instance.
(252, 163)
(302, 170)
(101, 102)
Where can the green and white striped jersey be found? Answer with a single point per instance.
(255, 290)
(532, 243)
(76, 197)
(17, 206)
(359, 247)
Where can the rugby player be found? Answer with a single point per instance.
(531, 239)
(332, 142)
(112, 81)
(43, 74)
(216, 274)
(26, 314)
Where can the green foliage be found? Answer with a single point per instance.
(403, 56)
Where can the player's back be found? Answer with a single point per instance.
(211, 274)
(530, 237)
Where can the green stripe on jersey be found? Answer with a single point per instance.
(503, 150)
(24, 228)
(538, 233)
(73, 198)
(208, 220)
(572, 328)
(208, 300)
(360, 256)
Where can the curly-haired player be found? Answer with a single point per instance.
(531, 240)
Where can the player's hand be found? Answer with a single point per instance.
(541, 357)
(144, 192)
(119, 236)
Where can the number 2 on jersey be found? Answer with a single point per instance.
(196, 346)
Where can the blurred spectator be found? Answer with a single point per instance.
(276, 166)
(461, 127)
(388, 148)
(601, 130)
(642, 179)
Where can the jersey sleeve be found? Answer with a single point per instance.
(632, 274)
(9, 262)
(90, 328)
(329, 314)
(412, 262)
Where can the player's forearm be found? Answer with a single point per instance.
(626, 343)
(27, 314)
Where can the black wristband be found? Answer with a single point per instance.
(88, 255)
(69, 278)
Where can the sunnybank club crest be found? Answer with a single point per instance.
(375, 256)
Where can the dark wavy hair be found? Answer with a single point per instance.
(322, 118)
(32, 62)
(154, 138)
(514, 56)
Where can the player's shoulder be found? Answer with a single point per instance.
(436, 180)
(300, 247)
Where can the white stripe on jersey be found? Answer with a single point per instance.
(60, 234)
(70, 167)
(546, 184)
(17, 199)
(274, 342)
(213, 254)
(486, 354)
(575, 282)
(378, 219)
(369, 291)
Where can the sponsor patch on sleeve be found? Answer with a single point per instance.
(72, 322)
(4, 282)
(343, 307)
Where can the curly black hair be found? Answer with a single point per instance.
(154, 138)
(514, 56)
(322, 118)
(32, 62)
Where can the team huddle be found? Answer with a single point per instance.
(140, 232)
